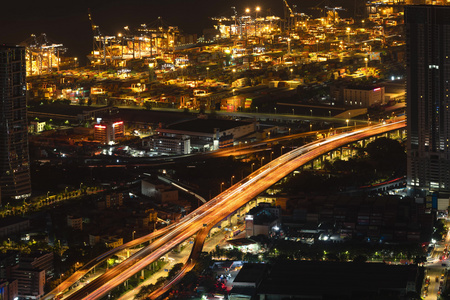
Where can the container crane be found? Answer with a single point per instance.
(236, 19)
(99, 41)
(288, 17)
(334, 9)
(42, 55)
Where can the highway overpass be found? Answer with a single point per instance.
(219, 207)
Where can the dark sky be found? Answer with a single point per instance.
(67, 22)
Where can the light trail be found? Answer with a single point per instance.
(219, 207)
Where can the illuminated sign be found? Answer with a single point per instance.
(377, 89)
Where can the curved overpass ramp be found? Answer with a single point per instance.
(219, 207)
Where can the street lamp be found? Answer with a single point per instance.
(257, 109)
(348, 35)
(232, 177)
(310, 126)
(292, 111)
(292, 70)
(262, 158)
(247, 11)
(207, 72)
(252, 166)
(134, 231)
(289, 45)
(347, 121)
(256, 16)
(275, 110)
(271, 153)
(221, 186)
(329, 112)
(282, 147)
(310, 112)
(366, 60)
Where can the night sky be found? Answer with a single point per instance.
(67, 22)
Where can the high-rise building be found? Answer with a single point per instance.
(428, 84)
(14, 156)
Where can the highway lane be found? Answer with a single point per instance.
(77, 275)
(225, 203)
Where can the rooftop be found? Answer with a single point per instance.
(355, 277)
(64, 109)
(207, 125)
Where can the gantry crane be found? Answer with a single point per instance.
(334, 9)
(42, 55)
(289, 17)
(99, 44)
(236, 20)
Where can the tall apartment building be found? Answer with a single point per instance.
(31, 281)
(14, 157)
(428, 115)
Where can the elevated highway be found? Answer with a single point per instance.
(219, 207)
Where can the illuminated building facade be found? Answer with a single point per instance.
(14, 157)
(363, 96)
(428, 115)
(109, 132)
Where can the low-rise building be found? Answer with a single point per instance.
(36, 127)
(263, 219)
(160, 192)
(114, 200)
(363, 96)
(109, 241)
(204, 134)
(361, 281)
(12, 225)
(75, 222)
(168, 144)
(112, 241)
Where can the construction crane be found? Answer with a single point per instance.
(334, 9)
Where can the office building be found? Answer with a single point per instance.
(14, 157)
(109, 132)
(428, 75)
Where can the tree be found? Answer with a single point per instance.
(148, 105)
(175, 269)
(388, 156)
(360, 259)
